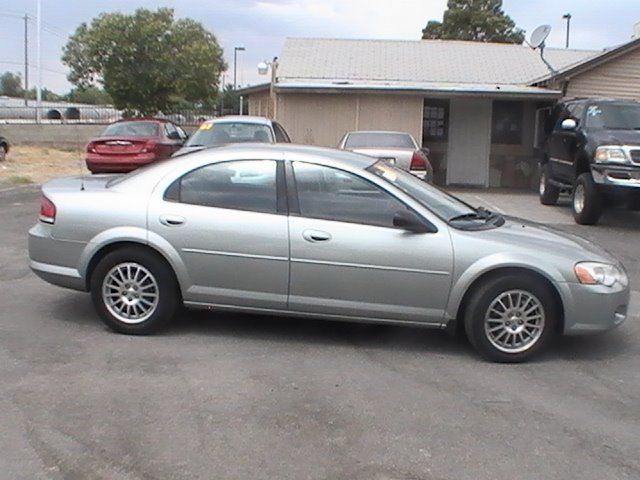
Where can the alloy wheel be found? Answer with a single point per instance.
(130, 292)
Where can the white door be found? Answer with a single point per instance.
(469, 144)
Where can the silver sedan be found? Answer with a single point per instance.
(320, 233)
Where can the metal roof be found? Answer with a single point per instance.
(449, 65)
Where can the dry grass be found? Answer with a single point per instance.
(39, 164)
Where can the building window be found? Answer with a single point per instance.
(506, 124)
(435, 120)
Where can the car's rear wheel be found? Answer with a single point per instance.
(510, 318)
(587, 203)
(548, 193)
(134, 291)
(3, 151)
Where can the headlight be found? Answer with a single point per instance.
(595, 273)
(610, 154)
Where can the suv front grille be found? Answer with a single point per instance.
(635, 155)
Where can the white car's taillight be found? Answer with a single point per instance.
(47, 211)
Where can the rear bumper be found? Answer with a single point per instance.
(594, 308)
(121, 164)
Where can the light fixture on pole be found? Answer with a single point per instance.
(235, 63)
(567, 17)
(263, 68)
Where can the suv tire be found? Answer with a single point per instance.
(587, 203)
(548, 193)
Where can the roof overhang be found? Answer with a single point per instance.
(430, 89)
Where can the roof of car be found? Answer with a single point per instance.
(378, 131)
(143, 119)
(241, 119)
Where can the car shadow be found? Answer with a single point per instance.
(615, 217)
(280, 329)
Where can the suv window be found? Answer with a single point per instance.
(240, 185)
(331, 194)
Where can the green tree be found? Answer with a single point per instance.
(476, 20)
(147, 62)
(92, 95)
(11, 85)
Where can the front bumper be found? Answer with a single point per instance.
(616, 175)
(594, 308)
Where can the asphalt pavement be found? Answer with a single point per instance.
(229, 396)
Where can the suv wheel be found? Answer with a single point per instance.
(3, 151)
(587, 201)
(548, 193)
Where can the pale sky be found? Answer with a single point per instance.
(261, 26)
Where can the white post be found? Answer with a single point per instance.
(39, 63)
(241, 104)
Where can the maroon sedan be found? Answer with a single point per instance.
(128, 144)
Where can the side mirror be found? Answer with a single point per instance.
(569, 124)
(411, 222)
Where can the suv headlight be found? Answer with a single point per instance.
(595, 273)
(610, 155)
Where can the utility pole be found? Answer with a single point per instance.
(39, 62)
(567, 17)
(26, 59)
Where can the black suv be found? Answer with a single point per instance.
(592, 150)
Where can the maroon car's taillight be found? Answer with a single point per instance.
(47, 211)
(91, 148)
(418, 161)
(149, 147)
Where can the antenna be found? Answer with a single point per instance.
(537, 40)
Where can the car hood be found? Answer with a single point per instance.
(188, 149)
(615, 137)
(535, 240)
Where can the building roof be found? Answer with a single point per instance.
(420, 65)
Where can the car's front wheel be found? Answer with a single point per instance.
(134, 291)
(510, 318)
(548, 193)
(3, 151)
(587, 202)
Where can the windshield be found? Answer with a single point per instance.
(614, 116)
(446, 206)
(379, 140)
(219, 133)
(131, 129)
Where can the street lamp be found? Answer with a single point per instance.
(235, 63)
(567, 17)
(263, 68)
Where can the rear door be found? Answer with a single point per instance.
(228, 223)
(348, 260)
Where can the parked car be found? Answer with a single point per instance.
(314, 232)
(592, 151)
(129, 144)
(4, 148)
(235, 129)
(398, 148)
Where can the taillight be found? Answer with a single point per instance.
(91, 147)
(150, 146)
(418, 161)
(47, 211)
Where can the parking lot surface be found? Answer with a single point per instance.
(229, 396)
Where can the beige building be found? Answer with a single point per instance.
(476, 106)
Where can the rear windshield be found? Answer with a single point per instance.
(379, 140)
(218, 133)
(131, 129)
(613, 116)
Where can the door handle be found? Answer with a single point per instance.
(171, 220)
(315, 236)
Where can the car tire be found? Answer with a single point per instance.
(548, 193)
(134, 291)
(3, 152)
(510, 318)
(586, 202)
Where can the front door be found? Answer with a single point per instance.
(348, 260)
(205, 216)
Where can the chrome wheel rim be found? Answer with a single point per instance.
(130, 293)
(543, 183)
(578, 199)
(514, 321)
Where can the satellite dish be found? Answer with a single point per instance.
(539, 35)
